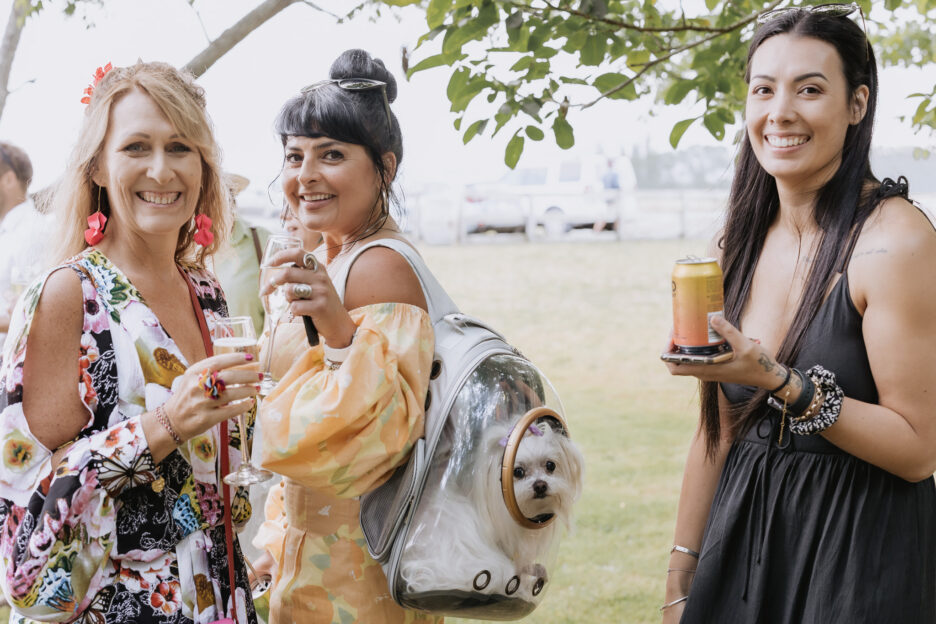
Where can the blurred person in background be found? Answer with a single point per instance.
(110, 502)
(237, 263)
(808, 494)
(23, 231)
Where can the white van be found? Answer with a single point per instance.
(553, 196)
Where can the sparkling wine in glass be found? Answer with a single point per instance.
(236, 335)
(275, 303)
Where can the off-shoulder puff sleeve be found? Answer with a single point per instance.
(343, 431)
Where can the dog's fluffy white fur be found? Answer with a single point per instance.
(457, 535)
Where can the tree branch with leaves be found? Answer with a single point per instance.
(529, 67)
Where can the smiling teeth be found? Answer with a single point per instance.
(159, 198)
(786, 141)
(316, 197)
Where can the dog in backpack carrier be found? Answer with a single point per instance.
(478, 546)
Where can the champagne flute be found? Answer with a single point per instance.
(236, 335)
(275, 303)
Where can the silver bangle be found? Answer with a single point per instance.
(683, 549)
(675, 602)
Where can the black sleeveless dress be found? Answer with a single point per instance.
(805, 533)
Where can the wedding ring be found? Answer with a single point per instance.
(310, 262)
(211, 383)
(302, 291)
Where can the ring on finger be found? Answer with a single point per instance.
(211, 383)
(302, 291)
(309, 261)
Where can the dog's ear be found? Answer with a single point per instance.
(576, 463)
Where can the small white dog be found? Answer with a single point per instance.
(468, 541)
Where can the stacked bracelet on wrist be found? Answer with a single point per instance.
(820, 414)
(818, 405)
(163, 418)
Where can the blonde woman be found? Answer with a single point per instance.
(110, 503)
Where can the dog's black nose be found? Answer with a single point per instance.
(539, 488)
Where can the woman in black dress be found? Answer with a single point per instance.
(818, 505)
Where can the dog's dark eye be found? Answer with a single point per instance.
(550, 466)
(518, 473)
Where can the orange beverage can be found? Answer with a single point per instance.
(697, 297)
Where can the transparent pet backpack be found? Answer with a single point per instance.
(447, 527)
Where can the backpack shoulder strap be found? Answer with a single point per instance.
(437, 300)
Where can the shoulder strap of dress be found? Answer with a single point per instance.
(437, 300)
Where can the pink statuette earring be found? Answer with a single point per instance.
(203, 234)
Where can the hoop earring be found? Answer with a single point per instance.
(96, 224)
(203, 234)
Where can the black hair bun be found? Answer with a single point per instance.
(360, 64)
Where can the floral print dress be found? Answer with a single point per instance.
(107, 536)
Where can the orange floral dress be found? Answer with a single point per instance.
(335, 434)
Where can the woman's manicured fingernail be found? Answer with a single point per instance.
(260, 376)
(248, 356)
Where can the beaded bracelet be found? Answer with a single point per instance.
(163, 418)
(828, 410)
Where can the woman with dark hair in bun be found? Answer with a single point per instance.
(346, 412)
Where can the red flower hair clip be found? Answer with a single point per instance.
(99, 74)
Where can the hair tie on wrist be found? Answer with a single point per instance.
(786, 380)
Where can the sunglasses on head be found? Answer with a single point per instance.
(835, 9)
(356, 84)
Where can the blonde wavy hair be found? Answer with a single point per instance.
(174, 91)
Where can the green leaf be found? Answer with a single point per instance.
(563, 131)
(513, 151)
(429, 36)
(711, 4)
(474, 129)
(576, 41)
(427, 63)
(678, 130)
(638, 58)
(593, 51)
(545, 52)
(436, 12)
(607, 82)
(535, 133)
(714, 125)
(522, 64)
(678, 91)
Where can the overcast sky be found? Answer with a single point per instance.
(247, 86)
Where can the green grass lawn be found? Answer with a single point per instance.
(593, 317)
